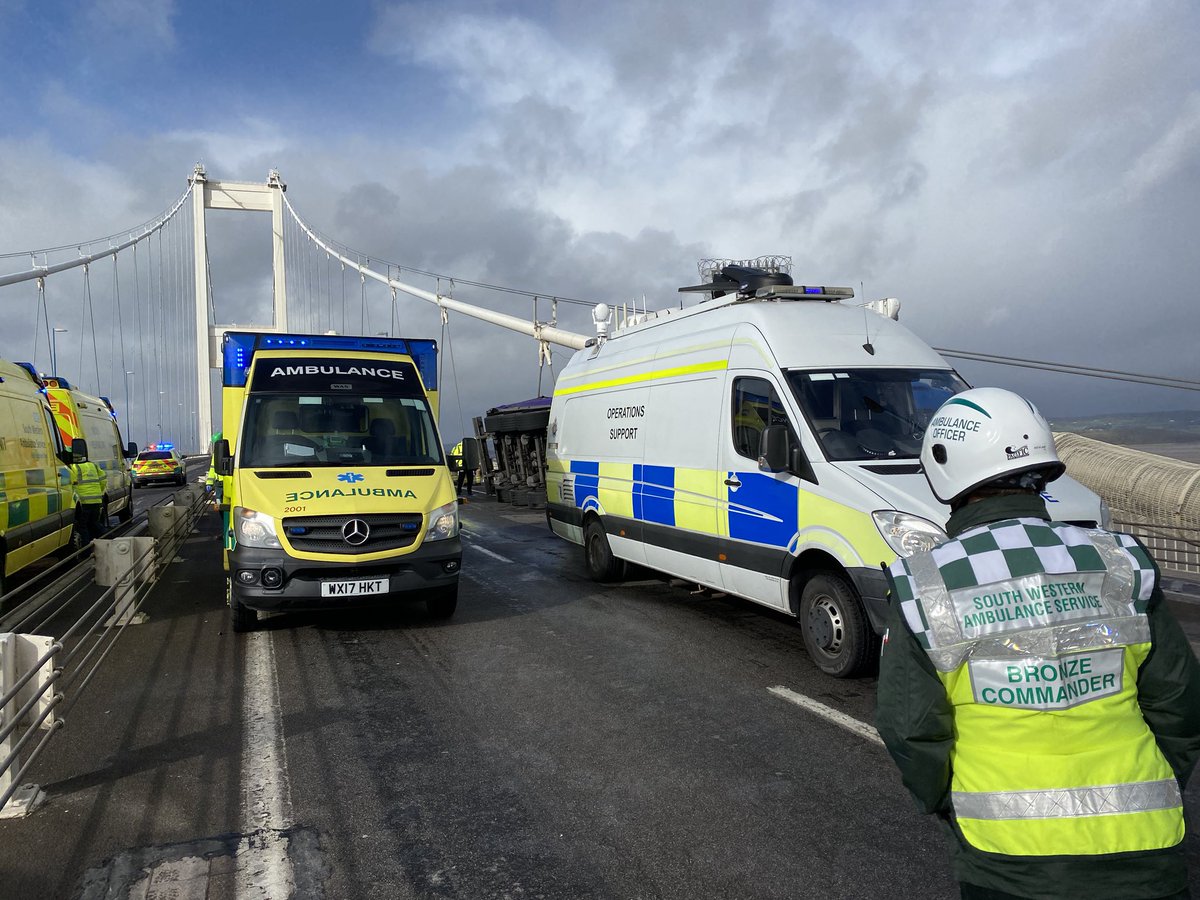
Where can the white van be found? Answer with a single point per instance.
(763, 443)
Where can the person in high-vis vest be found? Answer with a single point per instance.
(1034, 690)
(90, 482)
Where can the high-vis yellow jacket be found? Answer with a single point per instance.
(90, 482)
(1036, 746)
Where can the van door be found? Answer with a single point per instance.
(761, 507)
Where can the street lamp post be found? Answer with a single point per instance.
(128, 410)
(160, 396)
(54, 349)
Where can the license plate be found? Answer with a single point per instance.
(354, 588)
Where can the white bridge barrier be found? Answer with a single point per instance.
(42, 677)
(1155, 498)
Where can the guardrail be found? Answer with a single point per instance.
(1173, 547)
(42, 677)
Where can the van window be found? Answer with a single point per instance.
(861, 414)
(755, 406)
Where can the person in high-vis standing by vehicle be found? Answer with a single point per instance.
(1034, 690)
(90, 484)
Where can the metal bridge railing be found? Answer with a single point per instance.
(42, 677)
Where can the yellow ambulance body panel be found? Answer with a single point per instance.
(37, 508)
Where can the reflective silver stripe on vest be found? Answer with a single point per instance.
(949, 647)
(1118, 577)
(934, 598)
(1099, 800)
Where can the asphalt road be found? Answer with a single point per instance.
(554, 739)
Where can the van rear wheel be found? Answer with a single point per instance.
(127, 511)
(836, 633)
(602, 566)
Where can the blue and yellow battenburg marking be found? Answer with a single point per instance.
(760, 509)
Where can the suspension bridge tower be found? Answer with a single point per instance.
(244, 197)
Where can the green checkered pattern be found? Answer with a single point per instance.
(1011, 549)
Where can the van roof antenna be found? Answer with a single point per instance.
(866, 326)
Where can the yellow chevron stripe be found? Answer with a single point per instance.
(657, 375)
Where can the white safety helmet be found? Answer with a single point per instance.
(987, 435)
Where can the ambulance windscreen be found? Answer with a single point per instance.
(870, 414)
(333, 429)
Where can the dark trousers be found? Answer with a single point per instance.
(89, 522)
(975, 892)
(466, 476)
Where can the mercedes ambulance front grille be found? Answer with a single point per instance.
(327, 534)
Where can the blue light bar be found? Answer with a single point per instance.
(239, 346)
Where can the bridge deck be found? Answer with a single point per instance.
(553, 739)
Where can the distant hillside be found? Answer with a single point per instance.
(1128, 429)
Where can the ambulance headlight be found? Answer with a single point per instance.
(907, 534)
(254, 529)
(443, 522)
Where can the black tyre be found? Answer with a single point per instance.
(127, 513)
(836, 632)
(442, 602)
(602, 566)
(76, 543)
(241, 617)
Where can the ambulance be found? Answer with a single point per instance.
(764, 444)
(81, 415)
(337, 487)
(37, 508)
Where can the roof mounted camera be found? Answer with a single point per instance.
(749, 282)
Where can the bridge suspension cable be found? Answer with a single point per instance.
(131, 237)
(538, 330)
(1184, 384)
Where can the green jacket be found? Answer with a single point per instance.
(916, 721)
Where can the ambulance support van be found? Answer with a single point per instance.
(37, 509)
(763, 443)
(333, 472)
(81, 415)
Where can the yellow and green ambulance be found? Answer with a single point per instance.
(337, 487)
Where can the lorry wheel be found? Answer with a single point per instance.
(836, 633)
(442, 602)
(602, 566)
(127, 513)
(241, 617)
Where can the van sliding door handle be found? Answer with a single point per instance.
(732, 482)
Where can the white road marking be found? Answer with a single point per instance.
(862, 729)
(266, 793)
(491, 553)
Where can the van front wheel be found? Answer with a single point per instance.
(442, 602)
(602, 566)
(836, 633)
(241, 617)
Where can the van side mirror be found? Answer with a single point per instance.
(222, 461)
(775, 454)
(773, 449)
(79, 450)
(131, 451)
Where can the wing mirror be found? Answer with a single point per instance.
(222, 461)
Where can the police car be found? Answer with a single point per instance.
(158, 463)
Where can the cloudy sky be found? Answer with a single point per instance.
(1024, 176)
